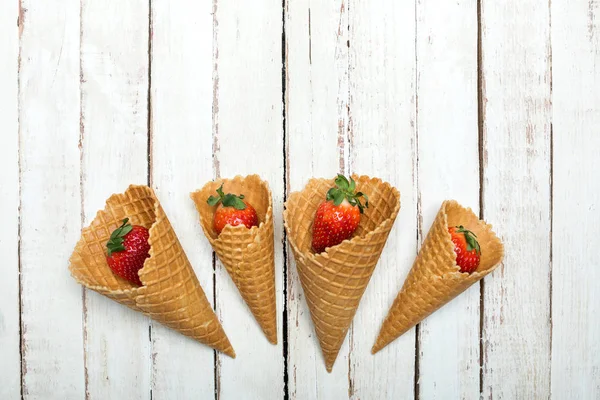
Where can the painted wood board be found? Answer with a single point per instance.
(516, 90)
(382, 140)
(575, 195)
(248, 132)
(316, 98)
(181, 162)
(52, 325)
(10, 341)
(114, 142)
(448, 168)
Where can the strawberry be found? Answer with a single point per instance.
(338, 216)
(466, 247)
(128, 248)
(232, 210)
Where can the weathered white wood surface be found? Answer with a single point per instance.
(382, 140)
(248, 138)
(433, 97)
(448, 168)
(114, 141)
(517, 132)
(316, 101)
(51, 206)
(576, 200)
(10, 367)
(181, 161)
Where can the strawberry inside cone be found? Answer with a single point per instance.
(466, 247)
(128, 249)
(338, 216)
(232, 210)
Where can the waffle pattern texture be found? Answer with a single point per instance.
(171, 293)
(247, 254)
(435, 279)
(335, 280)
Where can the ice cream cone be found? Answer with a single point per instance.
(247, 254)
(435, 279)
(335, 280)
(171, 293)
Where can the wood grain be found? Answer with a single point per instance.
(448, 168)
(516, 197)
(114, 88)
(249, 139)
(52, 346)
(181, 126)
(576, 197)
(316, 121)
(10, 362)
(382, 142)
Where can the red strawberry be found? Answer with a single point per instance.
(466, 247)
(338, 216)
(232, 210)
(128, 248)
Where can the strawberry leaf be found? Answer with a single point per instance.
(341, 182)
(213, 200)
(338, 197)
(345, 190)
(115, 243)
(470, 238)
(352, 187)
(228, 200)
(330, 194)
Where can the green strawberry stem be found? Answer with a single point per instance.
(345, 190)
(470, 237)
(115, 243)
(228, 200)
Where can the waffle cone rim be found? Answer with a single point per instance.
(239, 228)
(348, 242)
(134, 291)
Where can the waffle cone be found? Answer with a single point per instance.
(171, 293)
(335, 280)
(435, 279)
(247, 254)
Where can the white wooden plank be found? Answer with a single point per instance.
(516, 197)
(114, 91)
(576, 197)
(448, 152)
(249, 139)
(10, 362)
(182, 94)
(382, 138)
(316, 119)
(51, 201)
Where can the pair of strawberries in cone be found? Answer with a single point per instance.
(336, 247)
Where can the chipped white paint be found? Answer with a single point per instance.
(181, 156)
(516, 197)
(316, 118)
(576, 197)
(249, 139)
(377, 87)
(114, 89)
(382, 143)
(448, 152)
(50, 200)
(10, 363)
